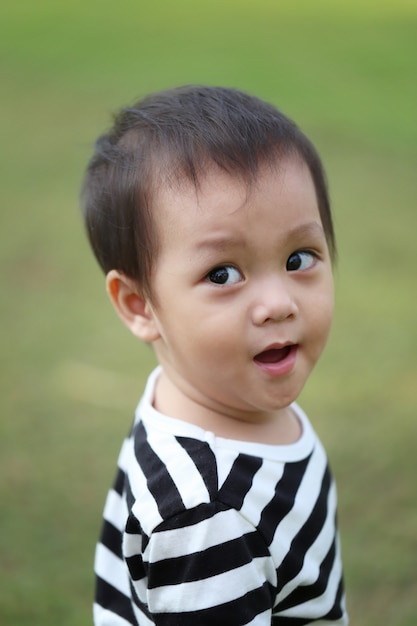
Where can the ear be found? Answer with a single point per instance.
(131, 306)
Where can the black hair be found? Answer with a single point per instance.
(172, 136)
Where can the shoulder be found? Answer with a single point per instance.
(167, 474)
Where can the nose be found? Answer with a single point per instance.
(274, 302)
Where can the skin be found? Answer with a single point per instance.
(242, 301)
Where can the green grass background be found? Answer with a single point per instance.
(71, 375)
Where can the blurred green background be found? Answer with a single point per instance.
(71, 375)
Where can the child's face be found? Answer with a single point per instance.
(243, 290)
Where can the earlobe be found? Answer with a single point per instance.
(131, 306)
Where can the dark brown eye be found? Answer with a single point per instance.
(224, 275)
(300, 261)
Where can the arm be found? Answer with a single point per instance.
(205, 566)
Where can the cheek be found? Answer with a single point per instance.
(321, 316)
(325, 303)
(324, 320)
(212, 340)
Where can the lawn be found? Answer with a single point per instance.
(71, 375)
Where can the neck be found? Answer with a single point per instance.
(280, 427)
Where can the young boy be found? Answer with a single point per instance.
(208, 212)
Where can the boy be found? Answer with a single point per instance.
(208, 212)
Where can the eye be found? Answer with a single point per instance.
(300, 261)
(224, 275)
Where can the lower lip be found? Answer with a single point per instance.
(279, 368)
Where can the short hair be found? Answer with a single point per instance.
(172, 136)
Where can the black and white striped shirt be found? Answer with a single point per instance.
(202, 530)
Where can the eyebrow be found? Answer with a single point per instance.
(220, 242)
(308, 229)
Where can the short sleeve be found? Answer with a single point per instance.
(204, 566)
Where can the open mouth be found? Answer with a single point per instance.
(273, 355)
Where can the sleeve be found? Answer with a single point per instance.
(205, 566)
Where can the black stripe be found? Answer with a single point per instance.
(283, 499)
(136, 567)
(239, 480)
(130, 498)
(234, 613)
(213, 561)
(335, 614)
(119, 482)
(279, 620)
(203, 458)
(113, 600)
(202, 512)
(111, 538)
(159, 481)
(315, 590)
(293, 562)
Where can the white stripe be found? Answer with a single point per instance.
(169, 544)
(145, 507)
(317, 551)
(124, 455)
(306, 497)
(322, 604)
(262, 491)
(115, 510)
(225, 458)
(181, 468)
(111, 569)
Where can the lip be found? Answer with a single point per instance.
(277, 359)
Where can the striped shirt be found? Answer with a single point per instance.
(203, 530)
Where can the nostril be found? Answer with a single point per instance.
(265, 315)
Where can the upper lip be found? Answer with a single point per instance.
(275, 346)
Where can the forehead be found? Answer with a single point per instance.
(221, 199)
